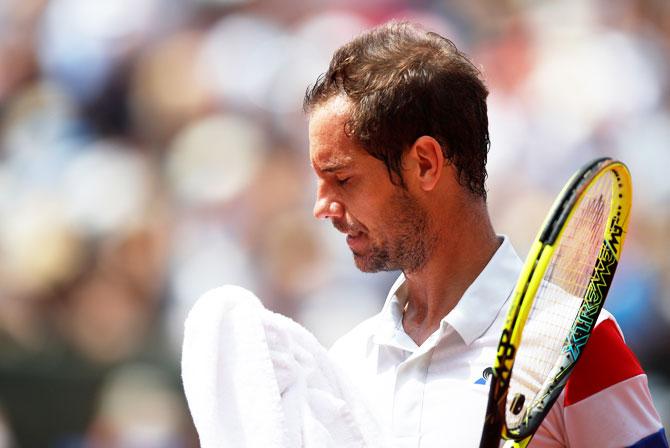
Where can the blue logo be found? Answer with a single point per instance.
(486, 375)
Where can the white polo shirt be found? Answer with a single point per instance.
(433, 395)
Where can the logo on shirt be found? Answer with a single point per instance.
(486, 376)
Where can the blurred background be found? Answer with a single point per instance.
(153, 149)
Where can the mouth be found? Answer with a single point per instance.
(353, 235)
(356, 241)
(356, 236)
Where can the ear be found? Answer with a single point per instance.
(427, 161)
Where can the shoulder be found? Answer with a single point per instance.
(605, 362)
(608, 389)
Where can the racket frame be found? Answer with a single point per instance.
(539, 258)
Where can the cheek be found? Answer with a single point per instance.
(355, 216)
(368, 216)
(371, 205)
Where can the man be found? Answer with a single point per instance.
(399, 138)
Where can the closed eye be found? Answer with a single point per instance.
(342, 182)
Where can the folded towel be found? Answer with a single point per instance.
(254, 378)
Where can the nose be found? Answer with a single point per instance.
(327, 207)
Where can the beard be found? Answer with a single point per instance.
(402, 241)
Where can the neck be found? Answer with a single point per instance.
(465, 245)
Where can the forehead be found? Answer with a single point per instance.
(329, 145)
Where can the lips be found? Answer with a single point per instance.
(356, 237)
(356, 241)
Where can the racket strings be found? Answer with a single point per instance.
(573, 274)
(558, 300)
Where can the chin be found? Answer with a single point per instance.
(363, 264)
(371, 265)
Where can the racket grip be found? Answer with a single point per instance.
(492, 430)
(490, 437)
(493, 422)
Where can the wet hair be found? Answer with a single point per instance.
(402, 83)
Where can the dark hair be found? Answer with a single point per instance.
(404, 82)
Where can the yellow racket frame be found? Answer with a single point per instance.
(537, 261)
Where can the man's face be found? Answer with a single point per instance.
(386, 227)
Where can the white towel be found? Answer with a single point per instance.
(254, 378)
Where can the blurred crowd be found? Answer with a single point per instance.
(153, 149)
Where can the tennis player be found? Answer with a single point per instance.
(399, 138)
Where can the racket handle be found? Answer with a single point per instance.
(490, 439)
(493, 421)
(492, 430)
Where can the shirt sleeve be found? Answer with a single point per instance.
(606, 402)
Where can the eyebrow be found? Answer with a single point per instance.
(336, 165)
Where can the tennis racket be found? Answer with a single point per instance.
(557, 299)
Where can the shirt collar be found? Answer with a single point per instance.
(390, 331)
(482, 301)
(473, 314)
